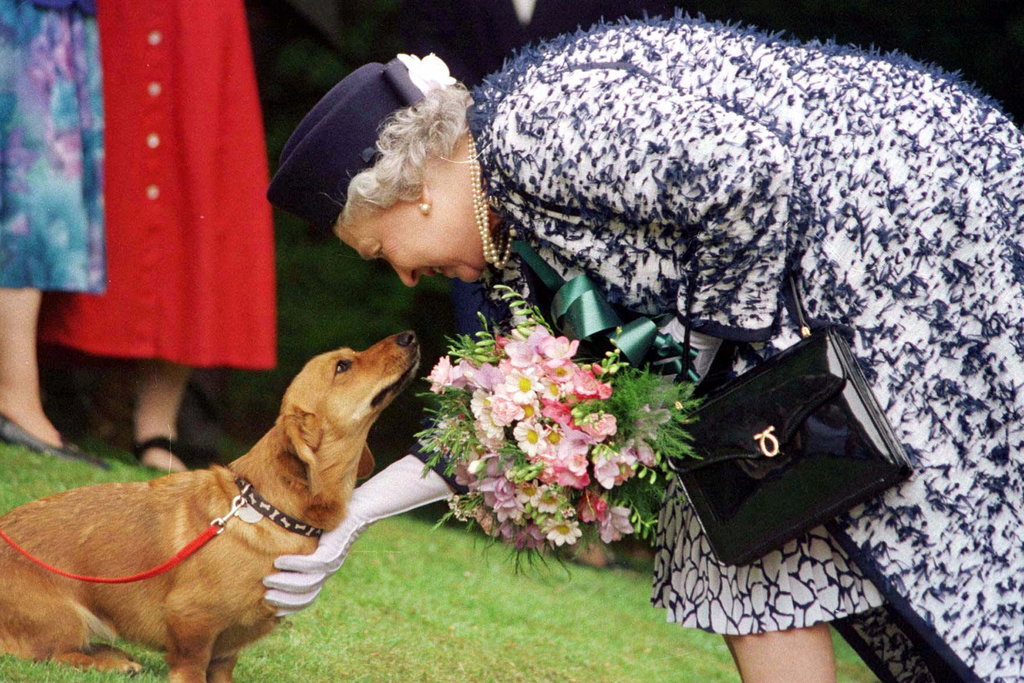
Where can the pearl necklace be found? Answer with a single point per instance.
(483, 216)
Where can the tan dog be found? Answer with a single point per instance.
(211, 605)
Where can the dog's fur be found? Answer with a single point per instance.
(211, 605)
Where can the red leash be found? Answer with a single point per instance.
(216, 526)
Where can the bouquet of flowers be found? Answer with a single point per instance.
(549, 444)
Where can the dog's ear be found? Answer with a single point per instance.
(302, 434)
(366, 463)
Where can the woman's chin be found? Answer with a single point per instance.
(467, 274)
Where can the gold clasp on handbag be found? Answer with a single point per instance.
(767, 441)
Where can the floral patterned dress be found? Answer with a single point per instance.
(51, 149)
(672, 156)
(190, 238)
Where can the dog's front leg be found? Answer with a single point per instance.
(221, 669)
(189, 646)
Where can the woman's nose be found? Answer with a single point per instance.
(409, 278)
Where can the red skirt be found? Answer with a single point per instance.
(190, 251)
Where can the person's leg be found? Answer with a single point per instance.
(803, 655)
(161, 385)
(20, 397)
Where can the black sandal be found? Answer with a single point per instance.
(166, 443)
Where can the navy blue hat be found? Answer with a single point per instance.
(337, 139)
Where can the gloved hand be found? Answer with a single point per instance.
(398, 488)
(705, 346)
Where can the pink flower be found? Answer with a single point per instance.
(611, 468)
(558, 348)
(592, 507)
(500, 496)
(573, 442)
(493, 465)
(507, 530)
(606, 471)
(550, 391)
(446, 375)
(571, 471)
(482, 406)
(530, 538)
(485, 377)
(538, 337)
(505, 411)
(567, 461)
(603, 426)
(616, 524)
(643, 453)
(559, 412)
(559, 371)
(585, 385)
(627, 457)
(462, 474)
(552, 437)
(523, 354)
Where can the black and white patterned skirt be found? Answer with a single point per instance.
(808, 581)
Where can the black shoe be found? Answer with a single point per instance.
(11, 433)
(164, 443)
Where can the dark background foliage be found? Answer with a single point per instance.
(329, 297)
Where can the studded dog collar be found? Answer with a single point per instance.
(257, 502)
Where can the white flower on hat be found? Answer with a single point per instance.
(428, 73)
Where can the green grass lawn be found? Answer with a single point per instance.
(418, 603)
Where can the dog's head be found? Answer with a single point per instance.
(331, 404)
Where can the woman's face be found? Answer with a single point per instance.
(444, 241)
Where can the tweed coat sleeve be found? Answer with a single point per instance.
(648, 189)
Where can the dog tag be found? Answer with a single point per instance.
(248, 513)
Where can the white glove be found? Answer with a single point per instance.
(705, 346)
(398, 488)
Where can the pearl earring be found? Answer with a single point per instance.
(425, 208)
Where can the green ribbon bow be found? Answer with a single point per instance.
(580, 311)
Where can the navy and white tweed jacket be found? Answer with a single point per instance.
(658, 156)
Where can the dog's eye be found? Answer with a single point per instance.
(342, 366)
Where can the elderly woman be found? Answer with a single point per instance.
(689, 168)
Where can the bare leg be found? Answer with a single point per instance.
(20, 398)
(802, 655)
(161, 387)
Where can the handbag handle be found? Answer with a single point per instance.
(798, 304)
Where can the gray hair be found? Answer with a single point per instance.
(411, 136)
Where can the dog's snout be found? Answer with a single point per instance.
(407, 338)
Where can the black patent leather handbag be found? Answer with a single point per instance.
(787, 446)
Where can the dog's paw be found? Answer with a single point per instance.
(106, 658)
(129, 668)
